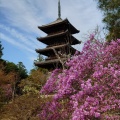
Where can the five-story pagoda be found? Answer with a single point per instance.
(58, 40)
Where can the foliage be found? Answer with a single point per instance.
(10, 77)
(1, 48)
(40, 58)
(19, 72)
(10, 67)
(111, 10)
(25, 107)
(90, 88)
(19, 69)
(34, 82)
(2, 64)
(6, 86)
(22, 70)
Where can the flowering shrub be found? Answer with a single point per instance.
(90, 88)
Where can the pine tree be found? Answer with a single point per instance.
(1, 52)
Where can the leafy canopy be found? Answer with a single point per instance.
(111, 10)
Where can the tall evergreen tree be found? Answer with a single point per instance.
(111, 10)
(1, 52)
(22, 70)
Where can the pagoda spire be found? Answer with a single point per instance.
(59, 9)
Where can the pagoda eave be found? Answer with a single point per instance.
(49, 51)
(53, 36)
(47, 28)
(63, 37)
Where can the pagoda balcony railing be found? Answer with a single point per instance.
(57, 44)
(52, 58)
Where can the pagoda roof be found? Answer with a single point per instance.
(50, 39)
(47, 28)
(55, 63)
(48, 51)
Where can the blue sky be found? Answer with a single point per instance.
(19, 21)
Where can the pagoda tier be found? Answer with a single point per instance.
(61, 38)
(60, 49)
(58, 26)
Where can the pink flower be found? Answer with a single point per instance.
(92, 36)
(97, 115)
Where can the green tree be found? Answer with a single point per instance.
(22, 71)
(40, 58)
(19, 69)
(1, 52)
(111, 10)
(11, 67)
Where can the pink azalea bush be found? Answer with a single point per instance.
(90, 88)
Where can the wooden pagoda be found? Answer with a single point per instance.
(58, 40)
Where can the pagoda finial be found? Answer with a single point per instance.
(59, 9)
